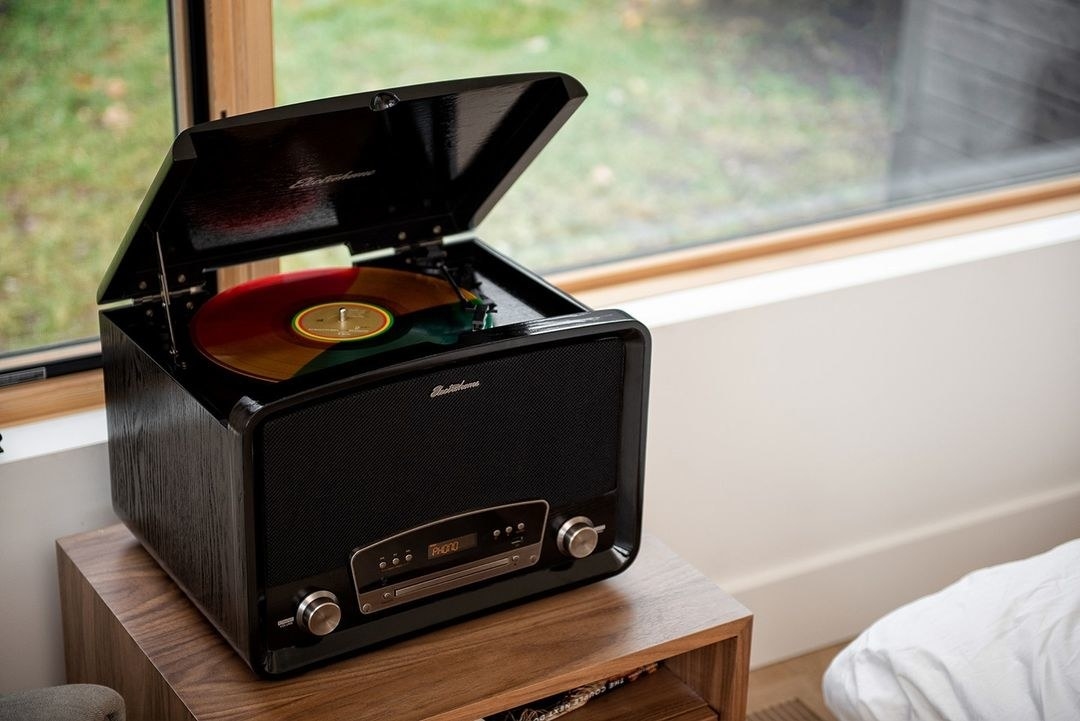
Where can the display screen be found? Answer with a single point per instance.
(451, 546)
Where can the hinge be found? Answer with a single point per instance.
(165, 297)
(166, 302)
(421, 249)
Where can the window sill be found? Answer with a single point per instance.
(55, 435)
(50, 398)
(691, 303)
(679, 305)
(618, 282)
(726, 276)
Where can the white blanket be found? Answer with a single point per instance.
(1001, 643)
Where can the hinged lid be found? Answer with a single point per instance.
(370, 171)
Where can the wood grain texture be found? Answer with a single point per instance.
(97, 649)
(237, 274)
(38, 400)
(177, 481)
(240, 56)
(659, 609)
(240, 66)
(660, 696)
(720, 671)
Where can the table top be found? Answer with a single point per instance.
(658, 608)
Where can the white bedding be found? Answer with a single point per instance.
(1001, 643)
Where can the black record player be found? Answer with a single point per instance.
(330, 460)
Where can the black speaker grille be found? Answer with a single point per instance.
(346, 472)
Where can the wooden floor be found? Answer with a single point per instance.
(798, 677)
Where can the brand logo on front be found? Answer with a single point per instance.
(453, 388)
(314, 181)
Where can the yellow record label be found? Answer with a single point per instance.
(342, 321)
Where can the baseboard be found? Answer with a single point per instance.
(828, 599)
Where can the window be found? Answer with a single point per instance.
(718, 120)
(707, 121)
(87, 113)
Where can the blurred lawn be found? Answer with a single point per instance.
(85, 121)
(705, 120)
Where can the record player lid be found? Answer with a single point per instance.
(370, 171)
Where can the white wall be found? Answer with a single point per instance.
(44, 494)
(825, 455)
(829, 457)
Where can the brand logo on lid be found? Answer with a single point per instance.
(316, 180)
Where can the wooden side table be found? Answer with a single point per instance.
(126, 625)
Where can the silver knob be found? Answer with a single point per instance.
(577, 537)
(319, 613)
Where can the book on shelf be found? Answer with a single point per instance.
(558, 705)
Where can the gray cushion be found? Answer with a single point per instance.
(71, 702)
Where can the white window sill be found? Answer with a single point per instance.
(55, 435)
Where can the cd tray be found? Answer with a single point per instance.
(448, 554)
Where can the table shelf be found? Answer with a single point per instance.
(128, 626)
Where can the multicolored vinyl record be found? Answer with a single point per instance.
(287, 325)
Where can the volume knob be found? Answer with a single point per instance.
(319, 613)
(577, 537)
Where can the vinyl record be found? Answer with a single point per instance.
(286, 325)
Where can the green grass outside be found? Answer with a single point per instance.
(85, 120)
(704, 120)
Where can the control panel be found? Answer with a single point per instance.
(377, 580)
(447, 554)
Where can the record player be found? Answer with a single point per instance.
(330, 460)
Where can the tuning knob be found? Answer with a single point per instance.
(319, 613)
(578, 537)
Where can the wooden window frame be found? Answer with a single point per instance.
(239, 57)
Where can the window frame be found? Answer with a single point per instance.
(223, 65)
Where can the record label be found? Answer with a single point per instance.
(344, 321)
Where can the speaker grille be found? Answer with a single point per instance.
(345, 472)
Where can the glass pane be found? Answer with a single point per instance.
(711, 120)
(85, 121)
